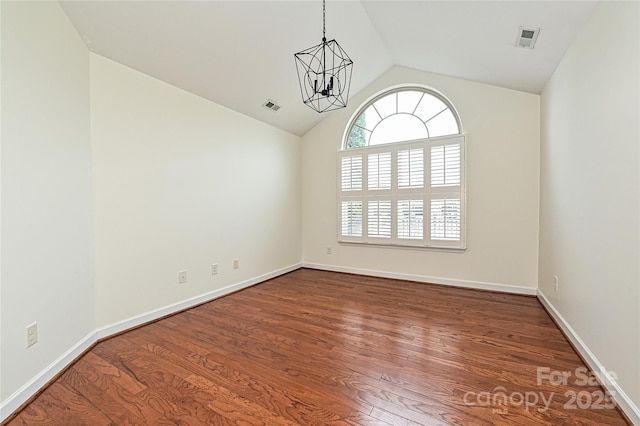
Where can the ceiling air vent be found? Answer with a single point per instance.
(271, 105)
(527, 37)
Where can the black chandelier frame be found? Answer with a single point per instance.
(324, 73)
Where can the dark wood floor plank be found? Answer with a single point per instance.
(63, 404)
(279, 399)
(321, 348)
(120, 406)
(396, 420)
(229, 373)
(34, 415)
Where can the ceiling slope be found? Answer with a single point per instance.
(476, 40)
(240, 53)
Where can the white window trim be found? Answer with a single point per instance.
(394, 89)
(394, 194)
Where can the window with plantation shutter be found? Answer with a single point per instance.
(402, 173)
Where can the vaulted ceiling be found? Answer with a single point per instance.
(240, 53)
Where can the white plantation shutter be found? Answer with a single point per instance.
(411, 168)
(379, 219)
(352, 218)
(445, 220)
(379, 171)
(445, 165)
(410, 219)
(404, 194)
(351, 206)
(351, 173)
(446, 193)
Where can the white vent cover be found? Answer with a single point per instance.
(527, 37)
(271, 105)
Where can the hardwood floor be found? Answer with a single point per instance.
(322, 348)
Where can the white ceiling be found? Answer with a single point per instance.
(240, 53)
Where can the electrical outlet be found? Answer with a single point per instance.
(555, 282)
(329, 251)
(236, 263)
(214, 269)
(32, 334)
(182, 277)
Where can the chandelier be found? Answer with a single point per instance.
(324, 73)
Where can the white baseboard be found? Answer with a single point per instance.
(138, 320)
(608, 382)
(30, 388)
(478, 285)
(22, 395)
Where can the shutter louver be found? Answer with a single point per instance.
(445, 220)
(352, 218)
(379, 219)
(379, 171)
(445, 165)
(351, 173)
(410, 219)
(411, 168)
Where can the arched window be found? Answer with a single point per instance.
(402, 172)
(402, 115)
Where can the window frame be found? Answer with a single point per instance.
(395, 90)
(394, 194)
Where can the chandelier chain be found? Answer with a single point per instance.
(324, 14)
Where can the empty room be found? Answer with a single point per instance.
(319, 212)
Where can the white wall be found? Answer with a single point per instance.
(47, 238)
(181, 183)
(502, 188)
(589, 209)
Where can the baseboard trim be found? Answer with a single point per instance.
(609, 383)
(39, 381)
(137, 321)
(477, 285)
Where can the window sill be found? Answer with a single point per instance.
(444, 249)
